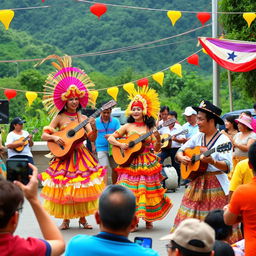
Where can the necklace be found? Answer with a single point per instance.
(139, 124)
(72, 116)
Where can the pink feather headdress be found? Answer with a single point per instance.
(67, 82)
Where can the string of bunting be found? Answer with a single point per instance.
(98, 9)
(113, 91)
(117, 50)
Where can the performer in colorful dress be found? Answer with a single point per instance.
(73, 183)
(142, 175)
(208, 191)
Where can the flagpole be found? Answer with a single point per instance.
(215, 67)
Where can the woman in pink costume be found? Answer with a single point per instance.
(72, 184)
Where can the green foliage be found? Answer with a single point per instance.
(71, 27)
(68, 27)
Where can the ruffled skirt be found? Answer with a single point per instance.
(143, 177)
(72, 185)
(203, 195)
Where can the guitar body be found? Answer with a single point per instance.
(194, 169)
(70, 139)
(20, 148)
(123, 157)
(167, 142)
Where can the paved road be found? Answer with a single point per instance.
(28, 225)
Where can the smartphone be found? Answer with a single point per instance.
(18, 169)
(143, 241)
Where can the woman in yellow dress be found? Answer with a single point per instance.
(72, 184)
(143, 174)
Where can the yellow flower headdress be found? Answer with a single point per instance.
(64, 83)
(147, 98)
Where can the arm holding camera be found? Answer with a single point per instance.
(49, 230)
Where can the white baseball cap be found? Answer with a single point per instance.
(189, 111)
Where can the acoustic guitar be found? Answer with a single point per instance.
(73, 134)
(166, 139)
(196, 167)
(135, 145)
(24, 140)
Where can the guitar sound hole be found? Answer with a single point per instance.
(131, 144)
(71, 133)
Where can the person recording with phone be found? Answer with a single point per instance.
(16, 146)
(11, 201)
(116, 218)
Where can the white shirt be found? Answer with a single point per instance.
(11, 137)
(197, 140)
(176, 129)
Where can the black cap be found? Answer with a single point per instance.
(207, 106)
(18, 120)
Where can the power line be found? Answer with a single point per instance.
(117, 50)
(149, 9)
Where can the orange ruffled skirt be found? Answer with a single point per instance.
(72, 185)
(143, 177)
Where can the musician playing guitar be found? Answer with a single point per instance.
(73, 182)
(172, 129)
(142, 174)
(208, 191)
(14, 141)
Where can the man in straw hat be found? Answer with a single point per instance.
(209, 191)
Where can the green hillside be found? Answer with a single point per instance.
(71, 27)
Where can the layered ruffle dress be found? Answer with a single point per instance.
(72, 184)
(143, 177)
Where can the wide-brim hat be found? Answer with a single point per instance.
(207, 107)
(246, 120)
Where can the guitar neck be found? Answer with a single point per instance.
(143, 137)
(26, 138)
(206, 153)
(85, 122)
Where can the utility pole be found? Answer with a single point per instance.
(215, 67)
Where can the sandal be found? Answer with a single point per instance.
(64, 225)
(149, 225)
(84, 225)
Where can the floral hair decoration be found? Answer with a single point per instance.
(67, 82)
(145, 98)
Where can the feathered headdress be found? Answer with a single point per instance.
(65, 83)
(145, 98)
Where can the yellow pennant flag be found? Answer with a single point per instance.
(129, 87)
(174, 16)
(31, 96)
(93, 95)
(6, 17)
(249, 17)
(113, 92)
(159, 77)
(176, 69)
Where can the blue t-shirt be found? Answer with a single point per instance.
(84, 245)
(101, 142)
(192, 130)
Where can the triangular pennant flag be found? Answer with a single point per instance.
(6, 17)
(174, 16)
(249, 17)
(159, 77)
(177, 69)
